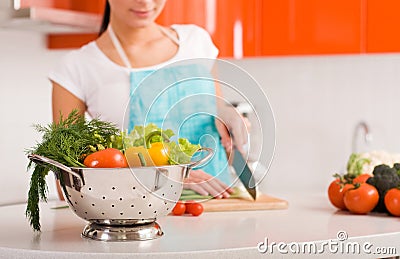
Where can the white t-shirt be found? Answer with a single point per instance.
(104, 85)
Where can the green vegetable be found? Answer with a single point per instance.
(67, 142)
(192, 195)
(385, 178)
(364, 163)
(181, 152)
(356, 165)
(138, 136)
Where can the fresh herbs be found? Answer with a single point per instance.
(68, 142)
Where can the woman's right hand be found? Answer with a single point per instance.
(205, 184)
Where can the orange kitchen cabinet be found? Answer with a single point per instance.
(184, 11)
(231, 23)
(237, 28)
(383, 26)
(68, 40)
(297, 27)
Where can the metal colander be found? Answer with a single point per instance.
(122, 203)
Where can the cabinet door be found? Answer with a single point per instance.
(238, 28)
(292, 27)
(383, 26)
(183, 12)
(231, 23)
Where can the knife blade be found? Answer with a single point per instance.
(244, 173)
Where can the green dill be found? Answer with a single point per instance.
(67, 141)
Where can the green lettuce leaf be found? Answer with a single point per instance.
(181, 152)
(137, 136)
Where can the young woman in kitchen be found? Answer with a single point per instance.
(98, 79)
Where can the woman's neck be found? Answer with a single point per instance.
(140, 35)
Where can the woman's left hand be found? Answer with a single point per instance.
(206, 184)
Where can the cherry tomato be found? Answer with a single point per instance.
(107, 158)
(188, 203)
(362, 178)
(179, 208)
(159, 153)
(361, 199)
(194, 208)
(336, 192)
(392, 201)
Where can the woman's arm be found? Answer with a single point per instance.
(63, 102)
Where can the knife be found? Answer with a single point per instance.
(243, 171)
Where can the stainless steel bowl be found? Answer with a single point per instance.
(122, 204)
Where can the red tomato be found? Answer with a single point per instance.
(362, 178)
(107, 158)
(336, 192)
(361, 199)
(179, 208)
(188, 203)
(194, 208)
(392, 201)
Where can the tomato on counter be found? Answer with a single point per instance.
(189, 207)
(362, 178)
(361, 199)
(336, 192)
(392, 201)
(194, 208)
(179, 209)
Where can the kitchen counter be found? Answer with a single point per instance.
(309, 218)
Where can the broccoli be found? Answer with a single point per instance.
(385, 178)
(397, 167)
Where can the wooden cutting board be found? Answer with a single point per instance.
(263, 202)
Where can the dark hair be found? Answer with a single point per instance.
(106, 18)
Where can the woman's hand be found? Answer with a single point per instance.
(205, 184)
(232, 124)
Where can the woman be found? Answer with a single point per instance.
(99, 78)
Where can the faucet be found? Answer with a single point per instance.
(362, 125)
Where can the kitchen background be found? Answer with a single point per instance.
(321, 81)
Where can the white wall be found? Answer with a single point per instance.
(317, 101)
(24, 100)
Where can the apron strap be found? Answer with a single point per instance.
(169, 35)
(119, 48)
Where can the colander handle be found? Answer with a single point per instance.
(41, 159)
(204, 159)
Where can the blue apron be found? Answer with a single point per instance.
(180, 97)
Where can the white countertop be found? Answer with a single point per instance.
(310, 217)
